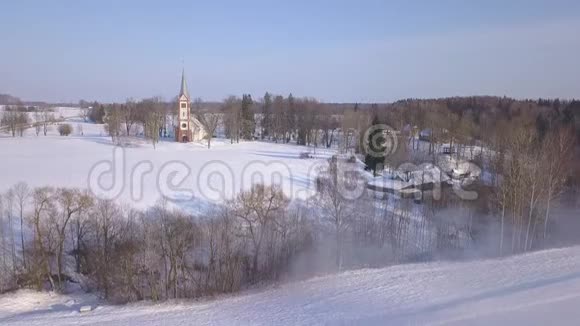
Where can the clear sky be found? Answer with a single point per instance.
(346, 51)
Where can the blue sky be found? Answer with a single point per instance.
(345, 51)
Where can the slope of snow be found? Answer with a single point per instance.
(533, 289)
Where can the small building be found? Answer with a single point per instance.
(188, 128)
(411, 181)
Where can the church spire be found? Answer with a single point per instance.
(183, 90)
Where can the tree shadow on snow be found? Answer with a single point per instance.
(406, 317)
(273, 154)
(72, 309)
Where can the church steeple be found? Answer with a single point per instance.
(183, 128)
(183, 90)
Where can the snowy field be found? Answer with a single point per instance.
(191, 175)
(540, 288)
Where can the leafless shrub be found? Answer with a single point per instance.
(65, 129)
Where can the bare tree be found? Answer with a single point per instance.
(107, 229)
(8, 211)
(47, 118)
(16, 121)
(557, 157)
(68, 203)
(259, 210)
(5, 269)
(129, 115)
(329, 127)
(43, 245)
(9, 120)
(37, 122)
(177, 235)
(153, 123)
(113, 120)
(23, 123)
(80, 230)
(336, 209)
(84, 113)
(21, 193)
(210, 121)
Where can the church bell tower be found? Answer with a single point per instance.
(183, 129)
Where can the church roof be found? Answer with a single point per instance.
(183, 90)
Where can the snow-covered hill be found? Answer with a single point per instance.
(535, 289)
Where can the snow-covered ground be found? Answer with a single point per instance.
(540, 288)
(88, 159)
(533, 289)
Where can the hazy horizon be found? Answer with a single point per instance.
(336, 51)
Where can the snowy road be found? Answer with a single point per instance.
(534, 289)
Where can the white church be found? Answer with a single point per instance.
(187, 128)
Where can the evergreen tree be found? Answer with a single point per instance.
(266, 115)
(97, 113)
(248, 123)
(375, 149)
(290, 117)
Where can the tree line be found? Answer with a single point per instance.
(50, 236)
(16, 119)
